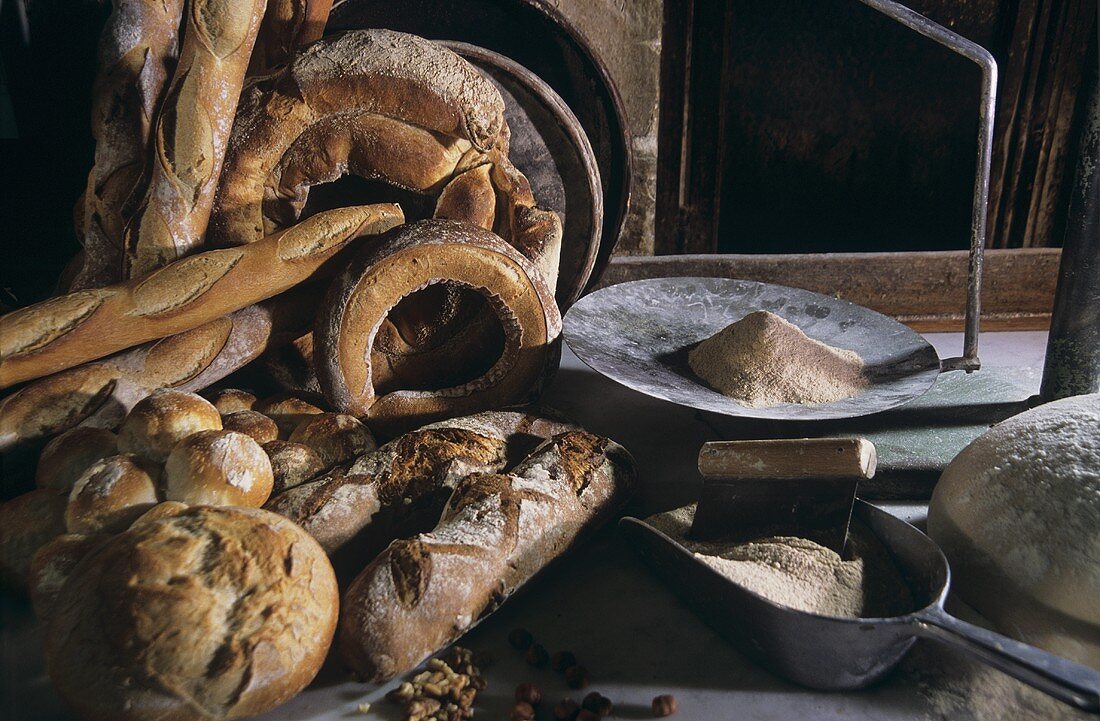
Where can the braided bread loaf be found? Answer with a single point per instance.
(63, 332)
(498, 530)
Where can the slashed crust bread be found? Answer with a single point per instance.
(212, 613)
(219, 468)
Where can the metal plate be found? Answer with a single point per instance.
(638, 334)
(549, 146)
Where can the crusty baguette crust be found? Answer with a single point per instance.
(287, 26)
(413, 257)
(192, 130)
(137, 50)
(99, 394)
(497, 532)
(69, 330)
(360, 508)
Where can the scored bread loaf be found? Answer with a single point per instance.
(111, 495)
(292, 464)
(100, 394)
(220, 468)
(497, 531)
(63, 332)
(401, 487)
(191, 133)
(287, 26)
(137, 50)
(197, 613)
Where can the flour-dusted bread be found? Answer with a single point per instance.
(157, 423)
(292, 464)
(222, 468)
(287, 411)
(211, 613)
(336, 437)
(231, 400)
(497, 531)
(65, 458)
(253, 424)
(27, 523)
(111, 495)
(1018, 515)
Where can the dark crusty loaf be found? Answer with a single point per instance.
(287, 26)
(27, 523)
(497, 531)
(204, 613)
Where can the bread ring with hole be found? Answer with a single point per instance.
(417, 256)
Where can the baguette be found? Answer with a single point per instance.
(287, 26)
(99, 394)
(136, 52)
(354, 511)
(497, 531)
(192, 130)
(69, 330)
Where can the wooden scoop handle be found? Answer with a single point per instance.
(789, 458)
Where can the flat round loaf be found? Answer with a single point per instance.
(212, 613)
(1018, 515)
(253, 424)
(157, 423)
(65, 458)
(336, 437)
(27, 523)
(292, 464)
(231, 400)
(287, 412)
(220, 468)
(111, 495)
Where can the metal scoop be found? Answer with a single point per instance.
(830, 653)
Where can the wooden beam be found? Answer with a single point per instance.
(925, 290)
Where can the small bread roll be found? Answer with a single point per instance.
(27, 523)
(161, 510)
(163, 419)
(336, 437)
(231, 400)
(52, 565)
(111, 495)
(218, 468)
(255, 425)
(65, 458)
(214, 613)
(292, 464)
(287, 412)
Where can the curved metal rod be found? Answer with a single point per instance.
(980, 208)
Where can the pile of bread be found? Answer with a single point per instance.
(193, 557)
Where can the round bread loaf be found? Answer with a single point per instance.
(287, 412)
(211, 613)
(255, 425)
(1018, 515)
(157, 423)
(219, 468)
(52, 565)
(111, 495)
(292, 464)
(231, 400)
(336, 437)
(27, 523)
(65, 458)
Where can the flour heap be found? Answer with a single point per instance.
(764, 360)
(801, 574)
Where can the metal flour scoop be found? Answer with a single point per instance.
(830, 653)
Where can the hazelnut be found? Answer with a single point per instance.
(566, 710)
(521, 639)
(529, 693)
(576, 677)
(597, 703)
(664, 705)
(563, 660)
(522, 711)
(536, 655)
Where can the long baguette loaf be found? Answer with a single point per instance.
(287, 26)
(99, 394)
(69, 330)
(497, 531)
(192, 130)
(137, 50)
(401, 488)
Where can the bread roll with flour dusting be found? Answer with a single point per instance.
(497, 531)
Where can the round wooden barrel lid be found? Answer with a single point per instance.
(550, 147)
(539, 38)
